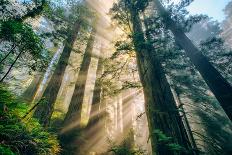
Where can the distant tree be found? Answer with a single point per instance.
(75, 107)
(78, 19)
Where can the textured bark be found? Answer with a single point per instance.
(30, 92)
(186, 123)
(160, 105)
(44, 111)
(74, 111)
(221, 88)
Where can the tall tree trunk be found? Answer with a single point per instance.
(74, 111)
(95, 112)
(163, 116)
(221, 88)
(44, 111)
(94, 133)
(30, 92)
(69, 134)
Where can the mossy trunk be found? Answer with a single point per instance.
(44, 110)
(221, 88)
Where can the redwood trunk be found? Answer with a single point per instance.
(221, 88)
(161, 108)
(74, 111)
(44, 111)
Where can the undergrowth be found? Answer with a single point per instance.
(22, 137)
(126, 147)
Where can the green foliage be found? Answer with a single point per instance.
(122, 150)
(5, 151)
(175, 147)
(168, 142)
(126, 147)
(162, 137)
(27, 41)
(22, 137)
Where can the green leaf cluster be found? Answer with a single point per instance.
(126, 147)
(168, 142)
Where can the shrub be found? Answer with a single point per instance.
(22, 137)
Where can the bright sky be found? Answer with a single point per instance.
(213, 8)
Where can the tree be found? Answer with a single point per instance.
(25, 44)
(163, 116)
(95, 113)
(77, 20)
(75, 107)
(216, 82)
(202, 110)
(44, 111)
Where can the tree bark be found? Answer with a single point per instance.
(74, 111)
(221, 88)
(161, 109)
(44, 111)
(185, 121)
